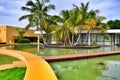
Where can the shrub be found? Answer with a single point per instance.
(94, 43)
(23, 41)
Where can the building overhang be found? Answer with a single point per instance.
(113, 31)
(39, 32)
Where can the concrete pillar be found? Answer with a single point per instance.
(38, 43)
(89, 39)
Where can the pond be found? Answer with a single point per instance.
(57, 51)
(99, 68)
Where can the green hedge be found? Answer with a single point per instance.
(23, 41)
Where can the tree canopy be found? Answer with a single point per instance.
(65, 27)
(114, 24)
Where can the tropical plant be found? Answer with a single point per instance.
(21, 33)
(21, 38)
(37, 15)
(63, 30)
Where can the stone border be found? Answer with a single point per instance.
(74, 47)
(79, 56)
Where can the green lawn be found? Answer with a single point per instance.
(4, 59)
(12, 74)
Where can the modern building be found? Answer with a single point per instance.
(8, 34)
(114, 37)
(95, 36)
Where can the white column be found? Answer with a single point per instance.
(38, 43)
(89, 39)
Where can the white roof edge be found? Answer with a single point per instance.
(113, 31)
(107, 31)
(38, 32)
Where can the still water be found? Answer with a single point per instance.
(99, 68)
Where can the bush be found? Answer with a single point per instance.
(23, 41)
(94, 43)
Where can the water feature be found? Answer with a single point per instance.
(99, 68)
(57, 52)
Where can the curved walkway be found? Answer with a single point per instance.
(37, 68)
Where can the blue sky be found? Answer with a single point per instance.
(10, 9)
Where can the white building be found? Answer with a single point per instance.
(114, 37)
(95, 36)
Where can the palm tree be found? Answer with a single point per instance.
(94, 22)
(83, 19)
(81, 15)
(63, 30)
(37, 14)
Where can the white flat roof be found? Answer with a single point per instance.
(107, 31)
(85, 31)
(39, 32)
(113, 31)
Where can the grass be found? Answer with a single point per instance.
(12, 74)
(4, 59)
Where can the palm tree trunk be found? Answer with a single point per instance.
(78, 39)
(44, 41)
(69, 38)
(72, 39)
(42, 22)
(86, 38)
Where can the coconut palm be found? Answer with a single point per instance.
(37, 14)
(81, 14)
(94, 22)
(63, 30)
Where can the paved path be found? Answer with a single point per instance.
(13, 65)
(37, 68)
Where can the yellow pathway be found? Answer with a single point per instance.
(37, 68)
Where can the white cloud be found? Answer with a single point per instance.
(1, 8)
(10, 9)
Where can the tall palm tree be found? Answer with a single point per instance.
(85, 19)
(37, 14)
(94, 22)
(82, 14)
(63, 29)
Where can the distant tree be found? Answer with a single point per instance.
(114, 24)
(21, 33)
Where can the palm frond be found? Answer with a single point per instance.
(26, 9)
(31, 4)
(25, 17)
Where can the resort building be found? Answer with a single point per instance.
(8, 34)
(95, 36)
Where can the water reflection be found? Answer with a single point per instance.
(56, 52)
(112, 71)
